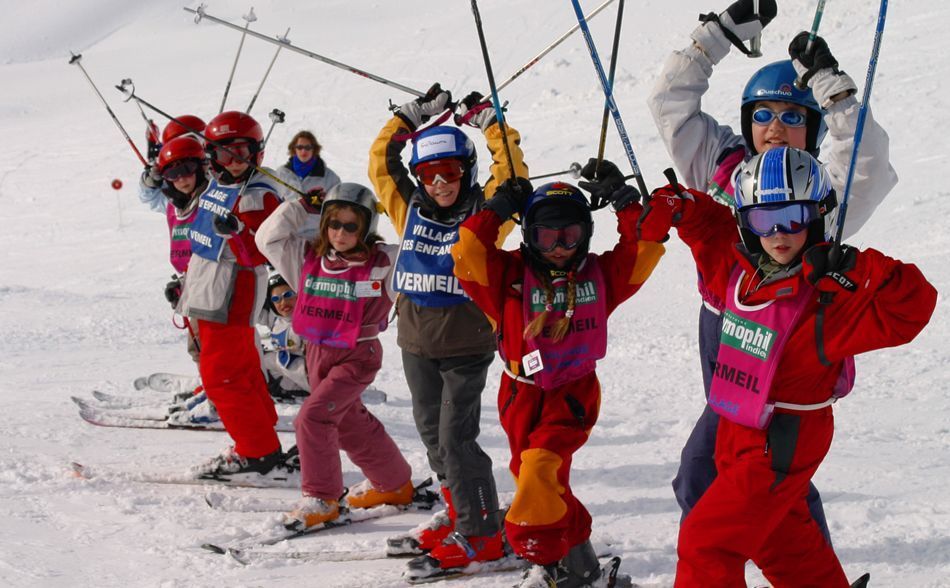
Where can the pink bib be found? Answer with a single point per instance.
(330, 303)
(577, 353)
(180, 249)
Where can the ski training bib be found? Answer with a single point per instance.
(330, 303)
(180, 245)
(424, 266)
(720, 185)
(577, 353)
(216, 200)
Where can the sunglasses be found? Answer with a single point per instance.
(179, 170)
(790, 118)
(787, 217)
(288, 294)
(336, 225)
(303, 147)
(440, 170)
(225, 154)
(545, 239)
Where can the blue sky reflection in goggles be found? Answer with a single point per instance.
(786, 217)
(288, 294)
(790, 118)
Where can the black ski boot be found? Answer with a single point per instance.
(861, 582)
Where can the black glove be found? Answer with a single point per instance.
(474, 112)
(828, 269)
(737, 23)
(510, 197)
(228, 225)
(313, 200)
(173, 291)
(418, 111)
(274, 387)
(818, 58)
(604, 186)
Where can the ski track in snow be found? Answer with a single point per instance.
(83, 270)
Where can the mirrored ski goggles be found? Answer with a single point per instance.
(179, 170)
(287, 295)
(545, 239)
(785, 217)
(440, 170)
(225, 154)
(336, 225)
(790, 118)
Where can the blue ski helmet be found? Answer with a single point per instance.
(445, 142)
(776, 81)
(785, 174)
(575, 208)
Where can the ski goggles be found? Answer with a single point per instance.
(336, 225)
(440, 170)
(786, 217)
(790, 118)
(179, 170)
(287, 295)
(225, 154)
(545, 239)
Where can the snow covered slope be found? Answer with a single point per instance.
(83, 268)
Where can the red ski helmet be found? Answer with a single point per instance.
(180, 148)
(231, 126)
(182, 125)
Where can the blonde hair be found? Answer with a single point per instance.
(309, 137)
(321, 245)
(563, 324)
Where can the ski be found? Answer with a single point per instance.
(247, 504)
(509, 563)
(107, 418)
(284, 480)
(249, 556)
(165, 382)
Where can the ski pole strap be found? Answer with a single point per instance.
(403, 137)
(713, 17)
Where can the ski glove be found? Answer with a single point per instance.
(472, 111)
(151, 178)
(603, 182)
(736, 24)
(173, 291)
(418, 111)
(228, 225)
(828, 270)
(661, 211)
(510, 198)
(818, 69)
(313, 201)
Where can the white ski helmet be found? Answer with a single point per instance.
(359, 196)
(784, 174)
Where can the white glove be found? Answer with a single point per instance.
(421, 109)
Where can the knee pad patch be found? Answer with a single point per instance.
(538, 497)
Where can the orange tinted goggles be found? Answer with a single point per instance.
(440, 170)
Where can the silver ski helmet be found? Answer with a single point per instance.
(778, 176)
(358, 196)
(776, 82)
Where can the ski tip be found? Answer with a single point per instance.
(77, 470)
(140, 383)
(214, 548)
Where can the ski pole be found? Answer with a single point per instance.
(819, 11)
(283, 39)
(151, 132)
(499, 113)
(276, 116)
(248, 18)
(130, 95)
(76, 59)
(859, 129)
(574, 171)
(200, 14)
(613, 69)
(755, 43)
(611, 103)
(534, 60)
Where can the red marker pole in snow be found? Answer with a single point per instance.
(76, 59)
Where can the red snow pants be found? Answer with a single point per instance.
(756, 508)
(544, 430)
(333, 418)
(230, 368)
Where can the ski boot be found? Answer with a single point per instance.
(454, 555)
(310, 512)
(230, 466)
(427, 536)
(364, 495)
(198, 410)
(861, 582)
(580, 568)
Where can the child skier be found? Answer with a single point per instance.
(550, 302)
(447, 343)
(343, 303)
(285, 362)
(782, 361)
(151, 182)
(774, 113)
(224, 293)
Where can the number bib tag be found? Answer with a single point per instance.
(369, 289)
